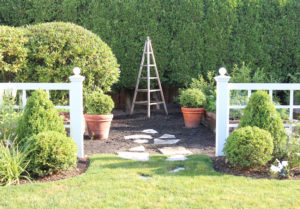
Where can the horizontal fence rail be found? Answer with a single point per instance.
(223, 104)
(75, 102)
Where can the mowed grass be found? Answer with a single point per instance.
(111, 182)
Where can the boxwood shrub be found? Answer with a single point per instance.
(48, 52)
(39, 115)
(51, 151)
(192, 98)
(262, 113)
(99, 103)
(249, 147)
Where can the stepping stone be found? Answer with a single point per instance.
(176, 158)
(175, 151)
(141, 141)
(137, 149)
(139, 136)
(144, 177)
(167, 136)
(149, 131)
(166, 141)
(177, 170)
(139, 156)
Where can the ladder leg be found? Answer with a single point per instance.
(138, 81)
(148, 78)
(158, 79)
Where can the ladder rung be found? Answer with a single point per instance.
(141, 102)
(151, 65)
(149, 78)
(145, 103)
(156, 103)
(146, 90)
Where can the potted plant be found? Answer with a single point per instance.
(192, 102)
(98, 117)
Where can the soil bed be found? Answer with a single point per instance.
(222, 166)
(198, 140)
(81, 167)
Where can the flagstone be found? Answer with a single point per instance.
(176, 158)
(137, 149)
(139, 156)
(150, 131)
(138, 136)
(177, 170)
(166, 141)
(141, 141)
(175, 151)
(167, 136)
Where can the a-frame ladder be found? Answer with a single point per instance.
(148, 51)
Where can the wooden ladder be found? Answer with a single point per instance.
(148, 51)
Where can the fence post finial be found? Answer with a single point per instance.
(222, 110)
(76, 111)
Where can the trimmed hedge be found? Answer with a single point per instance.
(192, 98)
(48, 52)
(189, 37)
(99, 104)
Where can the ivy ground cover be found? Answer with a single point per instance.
(111, 182)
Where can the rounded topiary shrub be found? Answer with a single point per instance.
(262, 113)
(50, 152)
(39, 115)
(192, 98)
(249, 147)
(99, 104)
(55, 48)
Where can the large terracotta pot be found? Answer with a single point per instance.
(192, 116)
(98, 125)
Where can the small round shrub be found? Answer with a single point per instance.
(99, 104)
(249, 147)
(39, 115)
(50, 152)
(192, 98)
(262, 113)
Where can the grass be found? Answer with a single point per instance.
(111, 182)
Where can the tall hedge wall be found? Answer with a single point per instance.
(188, 36)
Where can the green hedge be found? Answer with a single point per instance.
(188, 36)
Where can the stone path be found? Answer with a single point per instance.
(176, 153)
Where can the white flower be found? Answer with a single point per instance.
(275, 169)
(285, 163)
(298, 154)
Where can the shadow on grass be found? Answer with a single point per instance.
(195, 165)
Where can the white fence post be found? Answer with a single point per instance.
(222, 111)
(76, 110)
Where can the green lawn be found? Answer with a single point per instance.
(111, 182)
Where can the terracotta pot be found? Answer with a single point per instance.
(98, 125)
(192, 116)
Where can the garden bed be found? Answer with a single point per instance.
(222, 166)
(80, 168)
(198, 140)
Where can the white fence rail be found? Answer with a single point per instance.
(223, 103)
(75, 102)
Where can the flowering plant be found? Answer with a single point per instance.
(281, 170)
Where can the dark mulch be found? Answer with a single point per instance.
(198, 140)
(81, 167)
(222, 166)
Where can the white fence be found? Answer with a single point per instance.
(223, 103)
(75, 102)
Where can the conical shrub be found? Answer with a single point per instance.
(262, 113)
(39, 115)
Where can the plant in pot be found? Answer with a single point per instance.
(98, 117)
(192, 102)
